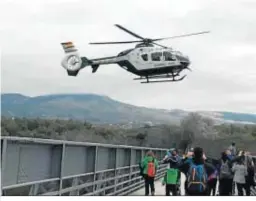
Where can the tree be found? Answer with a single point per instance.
(254, 133)
(11, 127)
(32, 124)
(190, 126)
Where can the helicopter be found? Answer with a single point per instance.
(150, 61)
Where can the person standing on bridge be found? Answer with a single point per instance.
(232, 149)
(172, 176)
(240, 171)
(197, 171)
(149, 166)
(226, 184)
(248, 162)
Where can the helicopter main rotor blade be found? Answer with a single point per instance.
(128, 31)
(159, 45)
(180, 36)
(120, 42)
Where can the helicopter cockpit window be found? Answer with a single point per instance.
(168, 56)
(156, 56)
(144, 57)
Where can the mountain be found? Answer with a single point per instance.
(100, 109)
(91, 107)
(230, 117)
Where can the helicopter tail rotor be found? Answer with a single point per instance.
(72, 62)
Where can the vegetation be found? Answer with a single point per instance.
(194, 129)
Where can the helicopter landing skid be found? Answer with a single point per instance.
(160, 78)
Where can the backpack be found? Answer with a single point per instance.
(214, 175)
(151, 168)
(197, 179)
(172, 176)
(141, 170)
(225, 171)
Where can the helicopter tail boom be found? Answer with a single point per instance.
(73, 63)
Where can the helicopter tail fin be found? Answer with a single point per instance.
(72, 62)
(68, 47)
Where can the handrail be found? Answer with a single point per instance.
(30, 183)
(60, 142)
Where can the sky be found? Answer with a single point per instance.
(223, 62)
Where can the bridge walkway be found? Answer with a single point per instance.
(159, 188)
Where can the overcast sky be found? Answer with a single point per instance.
(223, 62)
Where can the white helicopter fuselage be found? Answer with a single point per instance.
(146, 60)
(143, 61)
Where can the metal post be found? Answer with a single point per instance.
(62, 166)
(33, 190)
(3, 162)
(115, 170)
(130, 176)
(74, 183)
(95, 167)
(142, 157)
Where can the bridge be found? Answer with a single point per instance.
(32, 166)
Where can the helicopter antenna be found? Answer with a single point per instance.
(146, 41)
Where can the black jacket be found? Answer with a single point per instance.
(174, 161)
(184, 166)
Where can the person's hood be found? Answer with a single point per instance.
(149, 158)
(224, 157)
(174, 158)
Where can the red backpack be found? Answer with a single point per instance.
(151, 168)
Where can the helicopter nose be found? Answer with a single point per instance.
(183, 59)
(187, 61)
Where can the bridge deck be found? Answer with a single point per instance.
(160, 189)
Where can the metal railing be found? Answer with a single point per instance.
(32, 166)
(50, 167)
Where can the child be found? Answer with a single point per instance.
(149, 167)
(171, 181)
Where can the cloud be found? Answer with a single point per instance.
(223, 62)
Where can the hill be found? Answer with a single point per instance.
(89, 107)
(99, 109)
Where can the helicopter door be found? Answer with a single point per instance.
(157, 59)
(156, 56)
